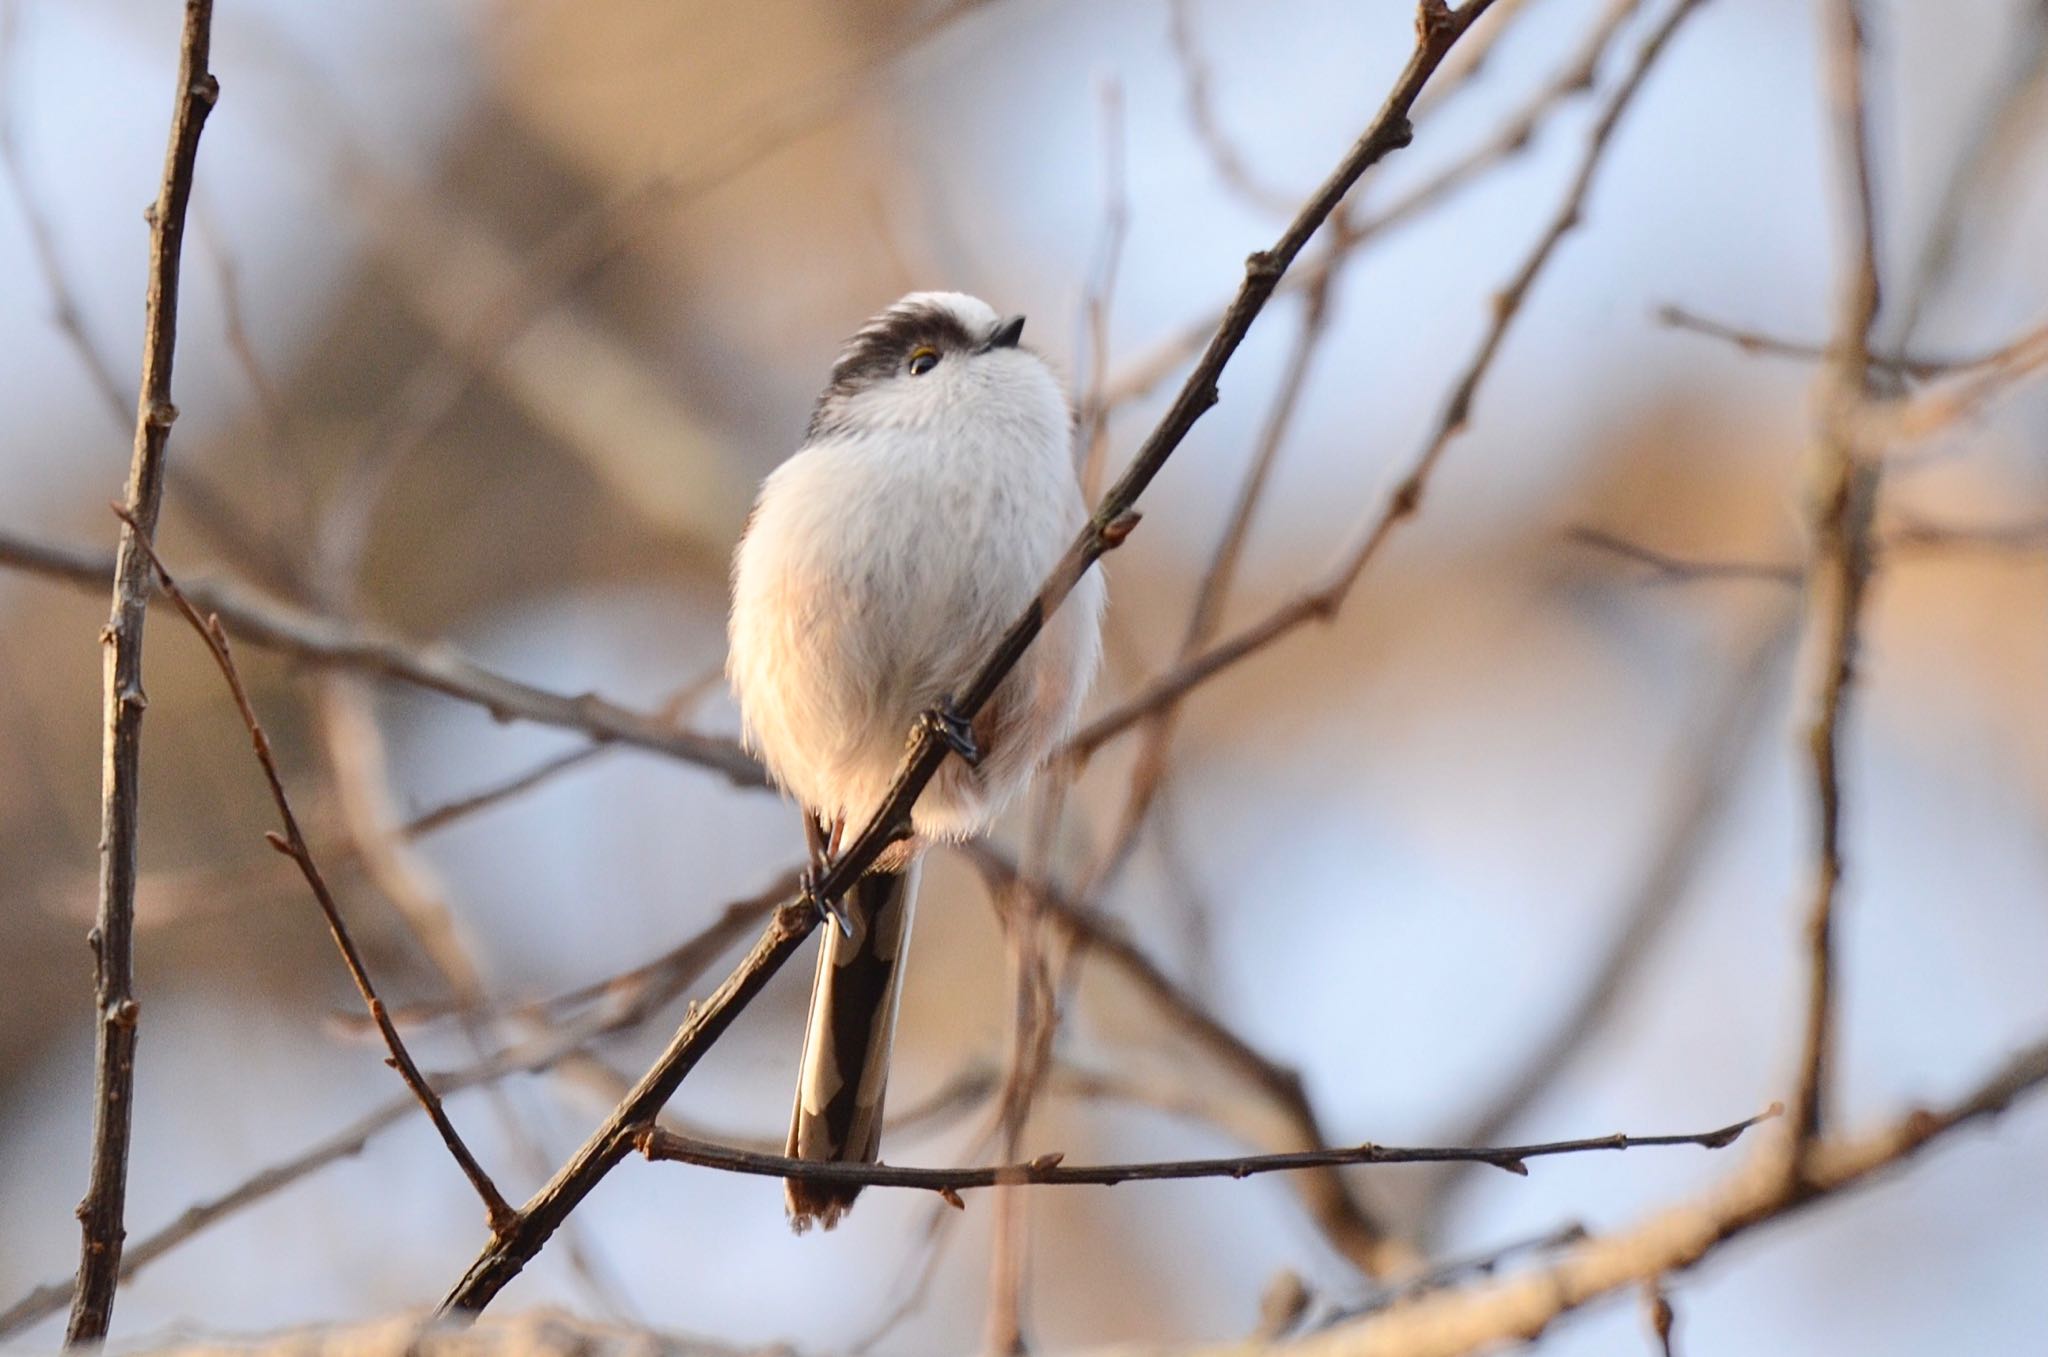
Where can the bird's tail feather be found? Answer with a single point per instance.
(838, 1114)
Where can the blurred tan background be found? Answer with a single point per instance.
(495, 313)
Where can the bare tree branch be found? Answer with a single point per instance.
(509, 1250)
(102, 1213)
(1148, 770)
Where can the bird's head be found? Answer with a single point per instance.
(932, 358)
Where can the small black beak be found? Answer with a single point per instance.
(1007, 334)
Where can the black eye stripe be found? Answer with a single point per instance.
(886, 344)
(882, 350)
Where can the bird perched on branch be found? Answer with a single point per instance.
(933, 495)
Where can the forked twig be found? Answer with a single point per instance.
(292, 844)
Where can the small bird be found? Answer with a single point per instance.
(933, 494)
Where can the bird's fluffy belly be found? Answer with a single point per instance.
(859, 609)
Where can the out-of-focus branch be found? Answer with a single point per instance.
(102, 1214)
(274, 625)
(1195, 77)
(1844, 500)
(435, 818)
(1983, 382)
(1908, 534)
(1753, 341)
(1666, 568)
(1981, 378)
(2012, 113)
(1048, 1170)
(1091, 423)
(503, 312)
(1519, 1308)
(1511, 138)
(358, 762)
(1322, 602)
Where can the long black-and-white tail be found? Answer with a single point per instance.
(838, 1115)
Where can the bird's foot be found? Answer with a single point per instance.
(952, 729)
(831, 912)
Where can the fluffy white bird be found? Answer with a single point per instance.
(933, 494)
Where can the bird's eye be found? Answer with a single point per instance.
(923, 359)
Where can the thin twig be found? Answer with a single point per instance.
(1843, 504)
(1665, 568)
(1909, 535)
(358, 760)
(1322, 602)
(435, 818)
(1992, 376)
(1443, 1276)
(1048, 1170)
(292, 844)
(194, 492)
(1091, 424)
(1438, 29)
(1229, 163)
(102, 1213)
(1752, 341)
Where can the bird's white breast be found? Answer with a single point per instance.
(882, 564)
